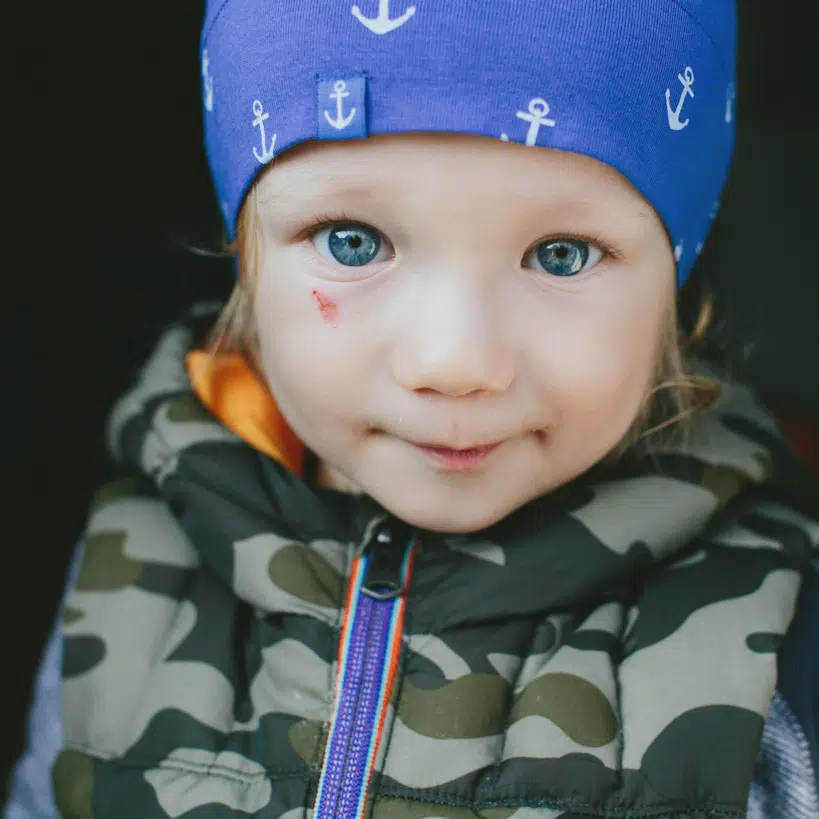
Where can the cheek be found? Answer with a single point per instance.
(304, 348)
(598, 369)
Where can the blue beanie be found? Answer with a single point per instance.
(646, 86)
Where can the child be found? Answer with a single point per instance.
(413, 530)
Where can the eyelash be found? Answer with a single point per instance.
(324, 220)
(592, 239)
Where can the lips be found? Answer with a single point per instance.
(457, 459)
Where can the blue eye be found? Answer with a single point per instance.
(563, 257)
(349, 244)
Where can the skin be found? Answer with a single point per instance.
(455, 335)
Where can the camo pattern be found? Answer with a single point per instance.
(576, 659)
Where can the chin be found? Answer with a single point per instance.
(448, 518)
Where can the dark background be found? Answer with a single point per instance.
(104, 182)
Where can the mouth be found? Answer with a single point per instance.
(457, 460)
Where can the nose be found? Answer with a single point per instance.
(452, 341)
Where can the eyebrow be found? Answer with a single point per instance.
(322, 186)
(326, 190)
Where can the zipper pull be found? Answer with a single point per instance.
(386, 551)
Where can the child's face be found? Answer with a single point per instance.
(433, 306)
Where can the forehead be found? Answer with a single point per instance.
(430, 163)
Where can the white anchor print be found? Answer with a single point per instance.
(678, 250)
(699, 248)
(674, 116)
(382, 24)
(339, 93)
(536, 117)
(208, 81)
(729, 103)
(267, 152)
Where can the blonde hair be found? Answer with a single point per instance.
(676, 396)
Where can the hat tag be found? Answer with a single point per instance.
(339, 93)
(382, 24)
(342, 108)
(674, 116)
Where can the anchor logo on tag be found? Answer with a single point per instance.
(339, 93)
(383, 24)
(729, 103)
(674, 115)
(207, 79)
(267, 150)
(537, 119)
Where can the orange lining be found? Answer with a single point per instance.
(228, 387)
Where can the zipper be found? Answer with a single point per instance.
(369, 650)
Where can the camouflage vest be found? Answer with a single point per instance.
(606, 651)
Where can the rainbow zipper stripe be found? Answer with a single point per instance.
(369, 651)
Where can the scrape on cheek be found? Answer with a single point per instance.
(327, 307)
